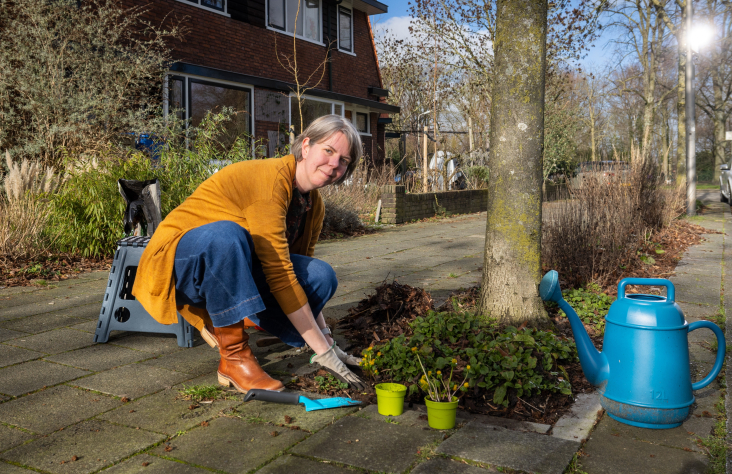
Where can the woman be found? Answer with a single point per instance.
(241, 246)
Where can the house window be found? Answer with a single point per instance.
(176, 96)
(362, 122)
(205, 96)
(219, 5)
(311, 110)
(345, 29)
(284, 15)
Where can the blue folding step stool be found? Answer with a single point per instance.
(121, 311)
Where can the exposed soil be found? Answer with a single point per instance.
(48, 269)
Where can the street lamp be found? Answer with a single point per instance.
(424, 158)
(696, 37)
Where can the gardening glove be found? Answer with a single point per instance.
(330, 362)
(346, 358)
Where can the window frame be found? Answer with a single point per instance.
(338, 23)
(187, 78)
(300, 36)
(354, 120)
(197, 4)
(332, 103)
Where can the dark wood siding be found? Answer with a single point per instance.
(332, 10)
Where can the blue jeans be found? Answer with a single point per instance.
(217, 269)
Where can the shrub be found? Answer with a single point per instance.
(78, 76)
(87, 212)
(591, 305)
(589, 237)
(497, 363)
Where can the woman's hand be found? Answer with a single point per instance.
(330, 362)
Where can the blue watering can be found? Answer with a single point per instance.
(643, 373)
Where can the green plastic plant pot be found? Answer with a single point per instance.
(441, 415)
(390, 398)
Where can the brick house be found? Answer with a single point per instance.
(228, 58)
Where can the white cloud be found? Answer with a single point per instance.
(396, 26)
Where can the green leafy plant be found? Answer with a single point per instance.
(201, 393)
(591, 305)
(328, 383)
(494, 362)
(437, 386)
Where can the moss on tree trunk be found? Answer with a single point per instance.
(512, 261)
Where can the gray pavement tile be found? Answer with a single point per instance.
(447, 466)
(699, 311)
(146, 342)
(65, 306)
(699, 294)
(610, 454)
(10, 437)
(508, 423)
(408, 417)
(10, 355)
(95, 444)
(368, 444)
(231, 445)
(7, 334)
(53, 408)
(195, 360)
(87, 326)
(99, 357)
(55, 291)
(132, 381)
(40, 323)
(581, 418)
(672, 438)
(7, 468)
(29, 376)
(167, 412)
(288, 464)
(147, 464)
(54, 342)
(506, 448)
(275, 413)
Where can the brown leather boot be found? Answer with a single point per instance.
(208, 333)
(238, 366)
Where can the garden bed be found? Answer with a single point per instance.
(44, 270)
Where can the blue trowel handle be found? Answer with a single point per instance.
(272, 396)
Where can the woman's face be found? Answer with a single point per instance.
(322, 163)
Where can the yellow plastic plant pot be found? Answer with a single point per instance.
(441, 415)
(390, 398)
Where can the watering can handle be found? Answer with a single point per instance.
(721, 351)
(670, 290)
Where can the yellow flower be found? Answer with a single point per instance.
(378, 354)
(376, 372)
(439, 372)
(466, 385)
(414, 349)
(454, 386)
(429, 372)
(454, 361)
(371, 363)
(468, 367)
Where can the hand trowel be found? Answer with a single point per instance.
(291, 398)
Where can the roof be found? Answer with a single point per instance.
(371, 7)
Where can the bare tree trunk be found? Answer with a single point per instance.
(681, 116)
(512, 262)
(719, 122)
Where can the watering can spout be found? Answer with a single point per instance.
(594, 363)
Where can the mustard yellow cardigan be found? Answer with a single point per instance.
(255, 194)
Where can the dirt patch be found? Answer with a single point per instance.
(52, 268)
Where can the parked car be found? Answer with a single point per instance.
(602, 170)
(725, 182)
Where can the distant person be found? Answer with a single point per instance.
(241, 246)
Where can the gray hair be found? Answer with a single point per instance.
(322, 129)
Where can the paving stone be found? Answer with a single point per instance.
(578, 423)
(146, 342)
(408, 417)
(697, 293)
(506, 448)
(446, 466)
(509, 424)
(29, 376)
(132, 381)
(609, 454)
(195, 360)
(40, 323)
(307, 420)
(673, 438)
(10, 437)
(291, 464)
(166, 412)
(54, 342)
(380, 446)
(7, 334)
(86, 326)
(7, 468)
(10, 355)
(53, 408)
(231, 445)
(59, 306)
(147, 464)
(95, 444)
(99, 357)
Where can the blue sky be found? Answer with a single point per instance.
(397, 20)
